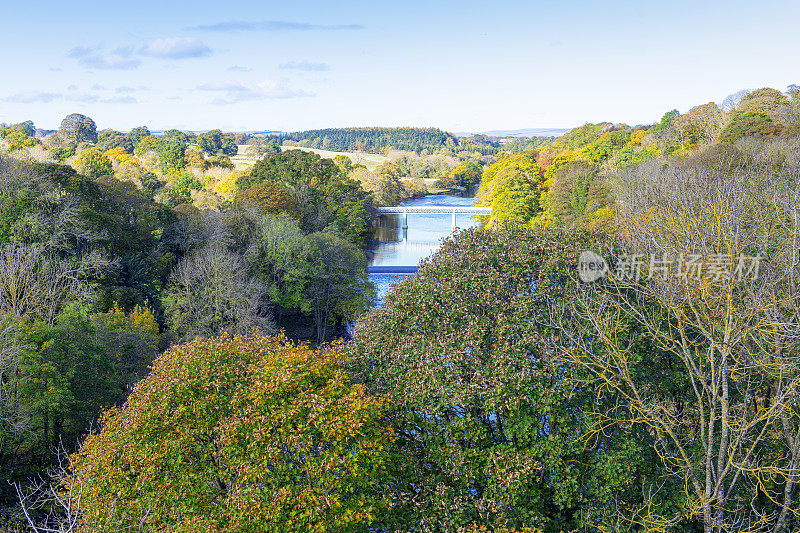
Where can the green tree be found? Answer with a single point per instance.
(111, 139)
(171, 155)
(91, 162)
(467, 175)
(60, 153)
(146, 144)
(65, 378)
(490, 423)
(280, 256)
(137, 134)
(268, 198)
(77, 128)
(338, 289)
(238, 434)
(215, 142)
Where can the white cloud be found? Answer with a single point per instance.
(83, 98)
(32, 97)
(237, 68)
(272, 25)
(119, 100)
(233, 93)
(305, 66)
(175, 48)
(96, 57)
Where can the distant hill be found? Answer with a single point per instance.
(527, 132)
(371, 140)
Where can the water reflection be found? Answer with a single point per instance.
(407, 247)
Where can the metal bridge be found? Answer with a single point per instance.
(434, 210)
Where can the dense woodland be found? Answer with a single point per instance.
(372, 139)
(492, 391)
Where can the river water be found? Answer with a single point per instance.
(425, 233)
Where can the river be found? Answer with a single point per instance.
(423, 237)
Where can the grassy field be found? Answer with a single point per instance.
(371, 161)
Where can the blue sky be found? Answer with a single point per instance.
(461, 66)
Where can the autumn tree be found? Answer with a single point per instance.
(268, 198)
(715, 315)
(701, 124)
(91, 162)
(238, 433)
(467, 175)
(137, 134)
(146, 144)
(490, 421)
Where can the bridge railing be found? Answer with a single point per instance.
(461, 210)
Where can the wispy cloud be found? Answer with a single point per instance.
(175, 48)
(98, 87)
(233, 93)
(119, 100)
(83, 98)
(125, 89)
(272, 25)
(305, 66)
(97, 58)
(33, 97)
(237, 68)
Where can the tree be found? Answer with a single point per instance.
(61, 153)
(303, 175)
(701, 124)
(77, 128)
(268, 198)
(750, 124)
(386, 185)
(91, 162)
(351, 208)
(146, 144)
(490, 422)
(238, 434)
(111, 139)
(338, 287)
(65, 378)
(25, 128)
(35, 284)
(171, 155)
(467, 175)
(514, 195)
(718, 330)
(280, 256)
(215, 142)
(177, 135)
(211, 291)
(137, 134)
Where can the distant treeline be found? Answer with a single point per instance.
(372, 140)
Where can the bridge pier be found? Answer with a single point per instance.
(405, 219)
(453, 221)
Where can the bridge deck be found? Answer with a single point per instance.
(444, 210)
